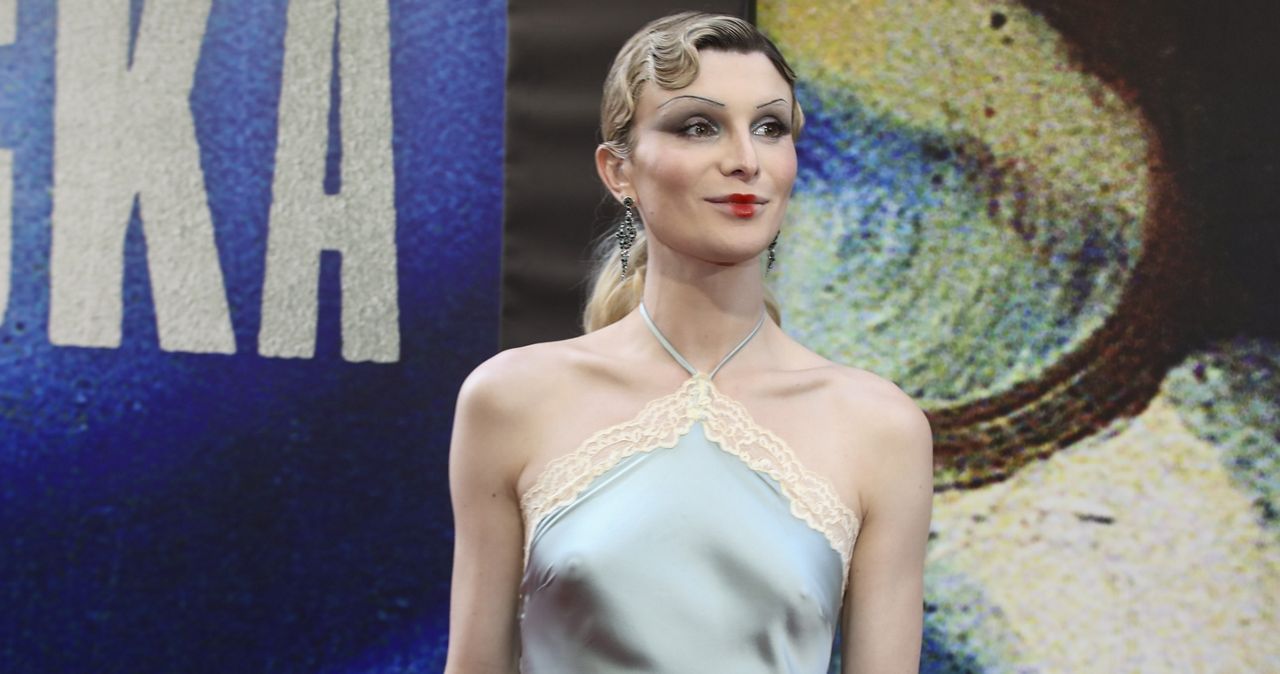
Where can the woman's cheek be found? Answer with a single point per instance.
(785, 163)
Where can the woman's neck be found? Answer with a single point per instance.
(704, 310)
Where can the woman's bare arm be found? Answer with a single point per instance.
(485, 459)
(884, 608)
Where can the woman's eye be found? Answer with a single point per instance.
(771, 129)
(698, 129)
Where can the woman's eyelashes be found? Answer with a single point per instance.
(698, 127)
(701, 127)
(771, 128)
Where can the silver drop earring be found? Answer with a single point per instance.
(773, 246)
(626, 233)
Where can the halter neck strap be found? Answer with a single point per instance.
(648, 320)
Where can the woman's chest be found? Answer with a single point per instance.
(686, 530)
(818, 436)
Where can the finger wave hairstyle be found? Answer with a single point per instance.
(664, 52)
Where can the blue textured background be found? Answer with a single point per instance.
(170, 512)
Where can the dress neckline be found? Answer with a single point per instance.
(666, 344)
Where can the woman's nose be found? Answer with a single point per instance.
(740, 157)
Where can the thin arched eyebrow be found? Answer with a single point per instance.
(718, 103)
(700, 98)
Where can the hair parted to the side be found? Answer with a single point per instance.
(664, 52)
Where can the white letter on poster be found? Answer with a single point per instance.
(8, 21)
(121, 132)
(359, 222)
(8, 33)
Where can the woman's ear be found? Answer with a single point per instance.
(613, 172)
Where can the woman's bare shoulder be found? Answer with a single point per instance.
(854, 382)
(503, 404)
(894, 441)
(514, 379)
(872, 407)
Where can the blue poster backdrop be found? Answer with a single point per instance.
(249, 251)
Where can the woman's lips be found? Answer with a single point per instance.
(741, 205)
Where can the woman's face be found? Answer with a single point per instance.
(712, 164)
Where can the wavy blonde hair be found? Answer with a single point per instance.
(664, 52)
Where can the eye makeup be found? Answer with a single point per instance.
(698, 124)
(771, 127)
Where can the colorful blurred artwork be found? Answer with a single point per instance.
(986, 215)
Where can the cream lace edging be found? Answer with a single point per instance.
(660, 425)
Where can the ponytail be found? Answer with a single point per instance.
(613, 297)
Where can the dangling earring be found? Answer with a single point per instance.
(773, 246)
(626, 233)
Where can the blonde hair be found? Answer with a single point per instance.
(664, 52)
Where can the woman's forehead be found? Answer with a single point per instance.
(725, 79)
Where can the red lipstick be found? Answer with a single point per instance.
(742, 205)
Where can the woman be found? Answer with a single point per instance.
(680, 489)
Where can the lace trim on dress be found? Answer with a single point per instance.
(660, 425)
(811, 496)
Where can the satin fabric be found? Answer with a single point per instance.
(679, 560)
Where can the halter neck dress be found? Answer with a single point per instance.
(687, 540)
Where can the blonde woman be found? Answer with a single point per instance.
(685, 488)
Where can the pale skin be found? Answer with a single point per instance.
(726, 133)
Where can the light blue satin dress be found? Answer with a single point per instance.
(688, 540)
